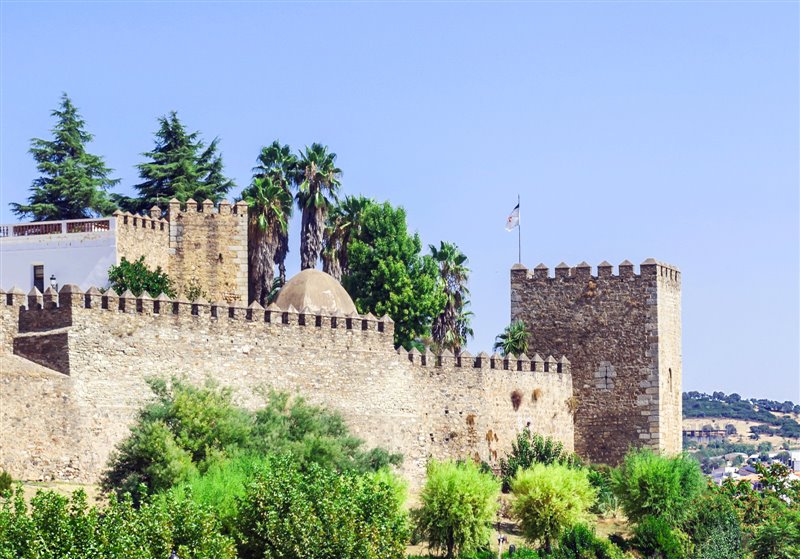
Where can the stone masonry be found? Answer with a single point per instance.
(61, 422)
(200, 246)
(622, 334)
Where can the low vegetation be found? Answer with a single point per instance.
(203, 477)
(137, 277)
(459, 503)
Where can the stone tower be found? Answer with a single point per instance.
(622, 335)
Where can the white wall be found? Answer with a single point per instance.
(79, 258)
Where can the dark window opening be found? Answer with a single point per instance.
(38, 278)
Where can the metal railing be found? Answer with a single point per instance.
(56, 227)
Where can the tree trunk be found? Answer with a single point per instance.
(311, 236)
(261, 265)
(451, 545)
(281, 250)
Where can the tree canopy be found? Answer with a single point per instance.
(73, 183)
(180, 166)
(388, 275)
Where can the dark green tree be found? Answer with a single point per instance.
(388, 275)
(317, 178)
(452, 326)
(181, 166)
(277, 162)
(73, 183)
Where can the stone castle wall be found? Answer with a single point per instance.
(201, 247)
(208, 249)
(622, 336)
(139, 235)
(418, 404)
(670, 359)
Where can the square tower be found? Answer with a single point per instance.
(622, 336)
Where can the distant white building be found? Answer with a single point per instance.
(57, 252)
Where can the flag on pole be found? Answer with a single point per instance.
(513, 219)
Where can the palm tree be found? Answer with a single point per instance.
(278, 162)
(451, 328)
(270, 206)
(514, 339)
(317, 179)
(342, 225)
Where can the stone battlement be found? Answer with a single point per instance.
(648, 268)
(206, 206)
(127, 219)
(622, 333)
(99, 349)
(43, 311)
(485, 361)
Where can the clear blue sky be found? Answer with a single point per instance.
(630, 130)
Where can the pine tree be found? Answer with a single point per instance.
(73, 183)
(180, 166)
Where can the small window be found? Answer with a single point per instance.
(38, 277)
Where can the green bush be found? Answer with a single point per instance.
(137, 277)
(317, 513)
(778, 538)
(651, 485)
(655, 537)
(188, 431)
(548, 499)
(580, 542)
(6, 481)
(459, 503)
(714, 528)
(56, 527)
(607, 503)
(533, 448)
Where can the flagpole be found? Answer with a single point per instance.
(519, 233)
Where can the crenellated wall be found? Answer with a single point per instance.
(208, 249)
(421, 405)
(200, 246)
(139, 235)
(622, 333)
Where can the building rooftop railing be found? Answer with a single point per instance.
(56, 227)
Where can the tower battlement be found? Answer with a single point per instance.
(622, 333)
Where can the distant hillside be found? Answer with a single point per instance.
(776, 417)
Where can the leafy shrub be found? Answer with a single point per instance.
(6, 482)
(176, 436)
(655, 537)
(778, 538)
(187, 430)
(549, 499)
(532, 448)
(607, 503)
(580, 542)
(714, 528)
(289, 513)
(458, 505)
(137, 277)
(651, 485)
(221, 487)
(60, 527)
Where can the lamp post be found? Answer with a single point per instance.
(500, 541)
(53, 282)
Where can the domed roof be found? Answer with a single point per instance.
(316, 290)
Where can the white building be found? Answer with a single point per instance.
(59, 252)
